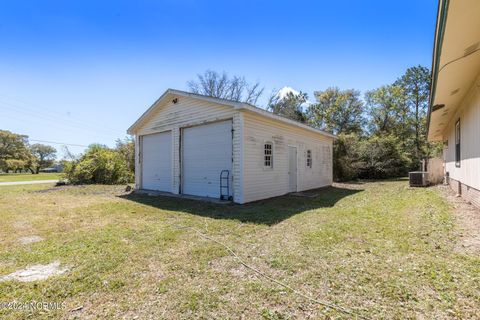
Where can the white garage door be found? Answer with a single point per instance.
(157, 161)
(207, 150)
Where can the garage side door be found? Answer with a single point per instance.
(157, 161)
(207, 150)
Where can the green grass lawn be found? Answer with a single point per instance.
(11, 177)
(381, 250)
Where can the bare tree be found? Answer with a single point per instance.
(236, 88)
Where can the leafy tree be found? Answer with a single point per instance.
(337, 111)
(346, 157)
(290, 105)
(387, 111)
(126, 148)
(14, 152)
(214, 84)
(382, 157)
(44, 154)
(416, 87)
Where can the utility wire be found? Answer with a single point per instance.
(62, 143)
(56, 117)
(55, 112)
(459, 58)
(58, 123)
(305, 296)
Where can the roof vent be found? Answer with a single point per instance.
(471, 49)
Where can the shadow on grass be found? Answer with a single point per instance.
(268, 212)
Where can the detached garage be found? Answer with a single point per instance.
(197, 145)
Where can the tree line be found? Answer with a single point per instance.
(382, 135)
(17, 155)
(98, 164)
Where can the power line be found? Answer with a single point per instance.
(54, 116)
(62, 143)
(55, 112)
(62, 124)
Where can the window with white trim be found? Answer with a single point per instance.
(309, 158)
(268, 155)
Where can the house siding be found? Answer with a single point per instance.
(138, 164)
(238, 151)
(186, 112)
(260, 182)
(468, 173)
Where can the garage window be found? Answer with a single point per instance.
(309, 158)
(268, 155)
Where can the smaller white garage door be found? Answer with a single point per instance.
(207, 150)
(157, 161)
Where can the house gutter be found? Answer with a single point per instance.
(438, 42)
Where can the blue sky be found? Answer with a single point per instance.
(83, 71)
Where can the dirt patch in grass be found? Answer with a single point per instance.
(36, 272)
(59, 188)
(30, 239)
(468, 221)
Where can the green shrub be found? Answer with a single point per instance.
(382, 157)
(346, 157)
(100, 165)
(376, 157)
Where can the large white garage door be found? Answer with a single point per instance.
(207, 150)
(157, 161)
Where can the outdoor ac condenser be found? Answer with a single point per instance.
(418, 179)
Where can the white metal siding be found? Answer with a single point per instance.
(207, 150)
(157, 161)
(469, 114)
(261, 182)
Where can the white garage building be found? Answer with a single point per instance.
(197, 145)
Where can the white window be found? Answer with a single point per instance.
(309, 158)
(268, 155)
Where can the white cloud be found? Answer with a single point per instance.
(282, 93)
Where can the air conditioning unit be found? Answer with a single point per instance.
(418, 178)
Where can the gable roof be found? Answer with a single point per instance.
(228, 103)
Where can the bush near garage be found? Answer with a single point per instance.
(99, 165)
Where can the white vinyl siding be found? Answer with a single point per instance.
(468, 172)
(260, 183)
(207, 150)
(185, 113)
